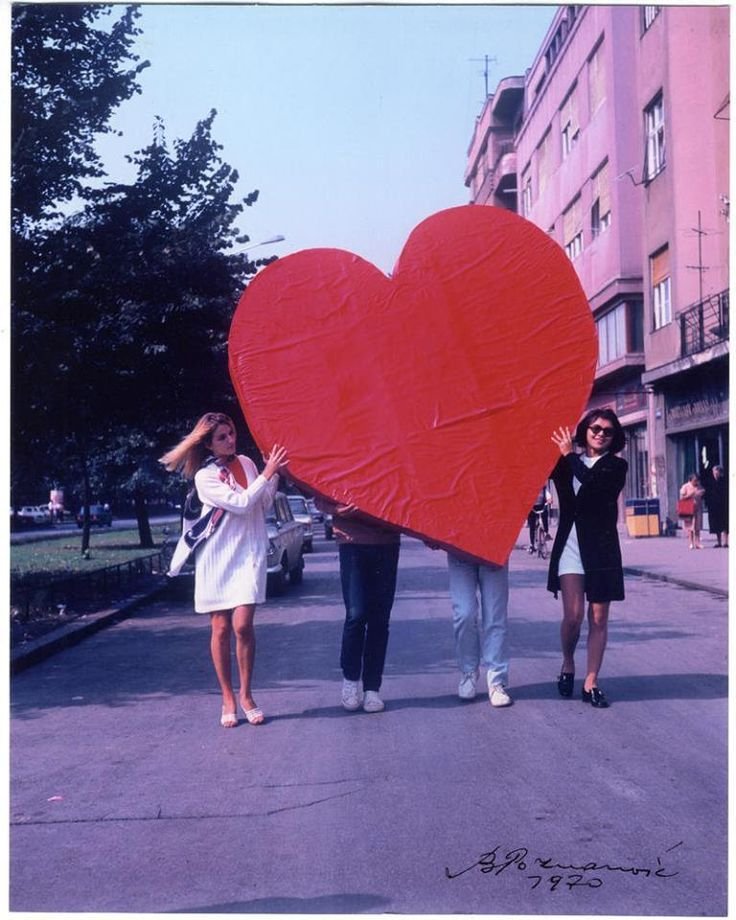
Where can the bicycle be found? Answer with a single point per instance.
(539, 547)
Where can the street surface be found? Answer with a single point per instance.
(128, 796)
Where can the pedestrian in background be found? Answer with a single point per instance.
(369, 559)
(538, 518)
(716, 498)
(692, 524)
(586, 555)
(230, 565)
(479, 592)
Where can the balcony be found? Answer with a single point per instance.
(704, 325)
(504, 169)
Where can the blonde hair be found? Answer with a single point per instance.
(189, 454)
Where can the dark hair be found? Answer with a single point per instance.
(617, 441)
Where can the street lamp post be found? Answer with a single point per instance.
(272, 239)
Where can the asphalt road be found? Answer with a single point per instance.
(34, 534)
(126, 795)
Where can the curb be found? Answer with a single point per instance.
(30, 653)
(691, 585)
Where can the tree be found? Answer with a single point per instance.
(137, 294)
(121, 308)
(67, 79)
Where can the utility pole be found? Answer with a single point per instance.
(485, 60)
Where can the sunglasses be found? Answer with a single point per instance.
(598, 429)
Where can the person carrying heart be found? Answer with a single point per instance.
(586, 555)
(369, 559)
(230, 566)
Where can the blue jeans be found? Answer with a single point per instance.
(368, 576)
(486, 641)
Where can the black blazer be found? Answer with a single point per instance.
(594, 511)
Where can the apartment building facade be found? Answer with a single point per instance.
(615, 142)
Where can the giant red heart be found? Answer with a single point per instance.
(428, 398)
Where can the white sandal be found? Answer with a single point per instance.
(228, 719)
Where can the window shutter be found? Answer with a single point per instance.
(602, 190)
(596, 83)
(572, 221)
(660, 266)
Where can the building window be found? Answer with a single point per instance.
(572, 224)
(600, 212)
(654, 132)
(648, 15)
(596, 78)
(611, 330)
(561, 33)
(659, 268)
(619, 332)
(543, 163)
(526, 194)
(569, 124)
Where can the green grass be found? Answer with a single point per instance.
(61, 557)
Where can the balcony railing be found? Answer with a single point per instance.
(704, 325)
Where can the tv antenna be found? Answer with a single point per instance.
(485, 60)
(700, 268)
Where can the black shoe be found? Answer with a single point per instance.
(595, 696)
(565, 684)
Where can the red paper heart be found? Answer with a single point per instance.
(426, 399)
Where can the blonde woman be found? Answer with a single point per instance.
(230, 566)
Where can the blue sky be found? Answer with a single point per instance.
(352, 121)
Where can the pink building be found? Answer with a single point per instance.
(617, 146)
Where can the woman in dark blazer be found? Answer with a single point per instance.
(586, 556)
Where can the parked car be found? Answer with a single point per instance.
(285, 557)
(34, 514)
(98, 514)
(301, 512)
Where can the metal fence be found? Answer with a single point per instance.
(704, 325)
(86, 591)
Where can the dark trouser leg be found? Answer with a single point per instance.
(368, 575)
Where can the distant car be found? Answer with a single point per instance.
(98, 514)
(302, 514)
(285, 557)
(321, 517)
(34, 514)
(327, 524)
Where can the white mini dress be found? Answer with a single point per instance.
(570, 561)
(230, 567)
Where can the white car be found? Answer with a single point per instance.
(285, 557)
(35, 514)
(301, 512)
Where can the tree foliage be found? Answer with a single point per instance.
(68, 77)
(120, 310)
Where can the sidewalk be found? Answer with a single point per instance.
(669, 559)
(663, 558)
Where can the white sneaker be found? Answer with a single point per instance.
(467, 687)
(372, 702)
(499, 696)
(351, 695)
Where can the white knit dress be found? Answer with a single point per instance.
(230, 567)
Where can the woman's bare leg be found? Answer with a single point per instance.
(597, 639)
(573, 611)
(220, 650)
(245, 651)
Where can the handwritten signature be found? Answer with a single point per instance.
(579, 875)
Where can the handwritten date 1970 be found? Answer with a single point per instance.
(494, 862)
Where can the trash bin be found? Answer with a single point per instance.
(642, 517)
